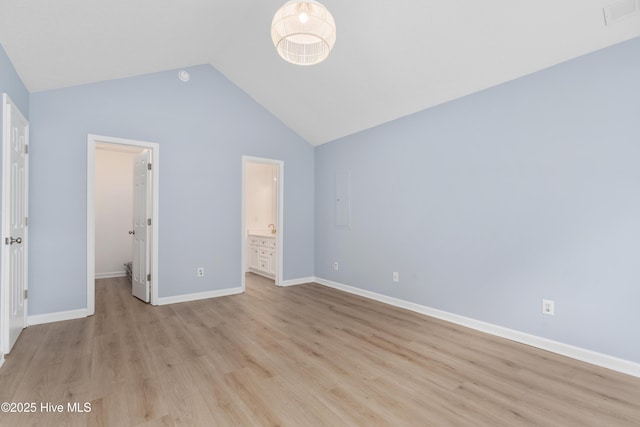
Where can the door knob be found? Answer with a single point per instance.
(11, 240)
(132, 232)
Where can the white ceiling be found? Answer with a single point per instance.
(391, 58)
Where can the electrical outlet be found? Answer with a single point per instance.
(548, 307)
(396, 276)
(200, 271)
(335, 265)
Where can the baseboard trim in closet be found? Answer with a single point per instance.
(110, 274)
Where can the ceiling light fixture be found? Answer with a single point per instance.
(303, 32)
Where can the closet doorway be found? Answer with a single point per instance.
(122, 230)
(262, 219)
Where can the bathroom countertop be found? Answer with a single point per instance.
(261, 235)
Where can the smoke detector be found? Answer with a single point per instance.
(183, 75)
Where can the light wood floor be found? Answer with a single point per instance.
(299, 356)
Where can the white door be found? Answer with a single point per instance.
(15, 187)
(140, 278)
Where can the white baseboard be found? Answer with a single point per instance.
(111, 274)
(59, 316)
(589, 356)
(199, 296)
(77, 314)
(294, 282)
(1, 360)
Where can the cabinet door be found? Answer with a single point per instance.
(254, 257)
(272, 262)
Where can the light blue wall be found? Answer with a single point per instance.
(485, 205)
(11, 83)
(203, 128)
(490, 203)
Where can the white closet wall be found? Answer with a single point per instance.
(114, 209)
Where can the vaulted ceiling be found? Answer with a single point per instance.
(391, 58)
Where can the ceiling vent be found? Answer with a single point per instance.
(620, 9)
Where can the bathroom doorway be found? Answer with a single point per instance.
(262, 224)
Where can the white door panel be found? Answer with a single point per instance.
(141, 227)
(15, 212)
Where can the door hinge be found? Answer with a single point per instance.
(26, 148)
(148, 277)
(26, 221)
(149, 166)
(149, 221)
(25, 293)
(6, 241)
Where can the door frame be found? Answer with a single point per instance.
(6, 205)
(92, 142)
(279, 218)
